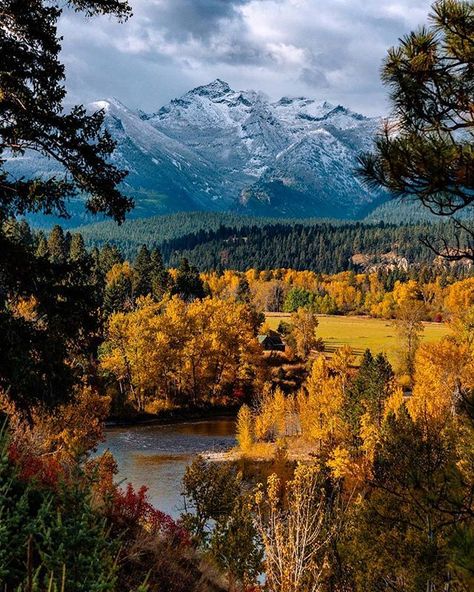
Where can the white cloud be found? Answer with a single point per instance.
(331, 49)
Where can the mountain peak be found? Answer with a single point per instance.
(214, 89)
(107, 105)
(214, 144)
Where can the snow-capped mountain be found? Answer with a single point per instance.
(219, 149)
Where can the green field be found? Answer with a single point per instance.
(363, 333)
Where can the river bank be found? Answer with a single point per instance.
(156, 454)
(174, 416)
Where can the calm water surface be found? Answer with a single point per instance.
(157, 455)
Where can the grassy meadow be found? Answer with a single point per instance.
(361, 333)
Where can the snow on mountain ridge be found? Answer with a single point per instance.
(216, 148)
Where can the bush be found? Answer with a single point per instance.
(50, 534)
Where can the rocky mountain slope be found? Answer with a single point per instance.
(217, 149)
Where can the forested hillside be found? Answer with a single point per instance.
(322, 247)
(399, 211)
(155, 230)
(227, 241)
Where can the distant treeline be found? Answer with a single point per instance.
(153, 231)
(324, 248)
(216, 241)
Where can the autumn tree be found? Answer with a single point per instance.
(295, 530)
(191, 353)
(303, 331)
(409, 326)
(444, 373)
(128, 353)
(244, 430)
(322, 399)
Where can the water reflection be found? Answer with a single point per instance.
(157, 456)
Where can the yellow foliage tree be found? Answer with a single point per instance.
(442, 372)
(304, 324)
(69, 432)
(321, 401)
(295, 536)
(245, 430)
(198, 351)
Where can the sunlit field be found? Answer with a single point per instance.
(361, 333)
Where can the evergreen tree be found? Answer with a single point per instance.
(403, 529)
(109, 256)
(369, 390)
(34, 357)
(57, 246)
(42, 250)
(428, 153)
(242, 294)
(77, 248)
(143, 267)
(160, 277)
(236, 545)
(52, 533)
(118, 296)
(188, 284)
(32, 115)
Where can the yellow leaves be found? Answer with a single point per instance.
(279, 412)
(304, 324)
(341, 363)
(461, 322)
(26, 308)
(68, 432)
(345, 296)
(273, 490)
(173, 348)
(222, 285)
(387, 305)
(442, 370)
(245, 429)
(320, 407)
(274, 416)
(460, 296)
(369, 434)
(294, 534)
(340, 462)
(264, 423)
(404, 291)
(394, 402)
(384, 309)
(118, 271)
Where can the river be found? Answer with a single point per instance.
(157, 455)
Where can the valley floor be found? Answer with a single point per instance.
(361, 333)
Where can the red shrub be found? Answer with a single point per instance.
(46, 470)
(131, 509)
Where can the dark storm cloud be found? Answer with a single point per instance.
(180, 19)
(330, 49)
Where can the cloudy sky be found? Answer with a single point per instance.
(327, 49)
